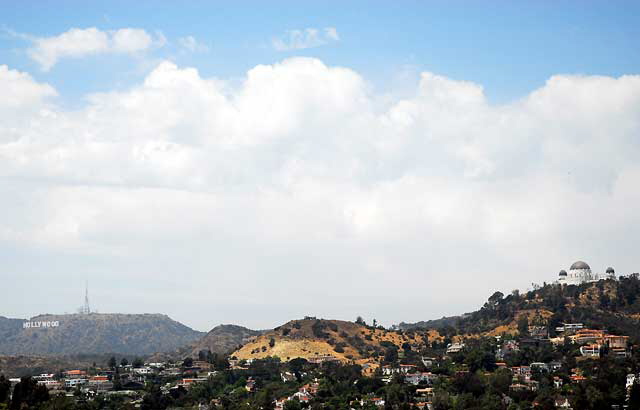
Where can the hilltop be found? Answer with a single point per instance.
(223, 339)
(315, 339)
(612, 304)
(95, 333)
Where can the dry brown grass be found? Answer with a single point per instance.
(296, 339)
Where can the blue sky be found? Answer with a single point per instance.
(509, 47)
(257, 162)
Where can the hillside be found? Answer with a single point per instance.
(135, 334)
(9, 327)
(223, 339)
(610, 304)
(312, 338)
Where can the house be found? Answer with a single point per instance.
(577, 378)
(417, 378)
(616, 342)
(523, 372)
(187, 382)
(72, 383)
(303, 395)
(407, 368)
(75, 374)
(543, 367)
(508, 346)
(50, 384)
(428, 361)
(587, 336)
(455, 347)
(323, 358)
(592, 350)
(143, 370)
(569, 328)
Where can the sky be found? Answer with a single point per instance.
(253, 163)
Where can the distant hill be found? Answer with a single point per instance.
(223, 339)
(9, 327)
(95, 333)
(611, 304)
(310, 338)
(443, 322)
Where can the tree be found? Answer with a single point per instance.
(272, 342)
(138, 362)
(28, 393)
(124, 362)
(112, 362)
(292, 405)
(634, 396)
(360, 321)
(523, 325)
(187, 362)
(5, 388)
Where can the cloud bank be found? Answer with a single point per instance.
(254, 203)
(76, 43)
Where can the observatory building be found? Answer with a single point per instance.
(580, 272)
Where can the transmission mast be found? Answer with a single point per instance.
(86, 309)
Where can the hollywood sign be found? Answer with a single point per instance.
(30, 325)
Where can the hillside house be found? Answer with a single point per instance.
(569, 328)
(592, 350)
(455, 348)
(417, 378)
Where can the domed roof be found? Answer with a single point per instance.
(580, 265)
(563, 273)
(610, 270)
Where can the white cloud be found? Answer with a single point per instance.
(20, 90)
(299, 172)
(307, 38)
(76, 43)
(189, 43)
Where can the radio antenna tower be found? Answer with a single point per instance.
(86, 309)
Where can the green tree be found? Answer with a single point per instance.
(124, 362)
(112, 362)
(28, 393)
(292, 405)
(523, 325)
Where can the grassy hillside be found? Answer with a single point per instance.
(98, 333)
(347, 341)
